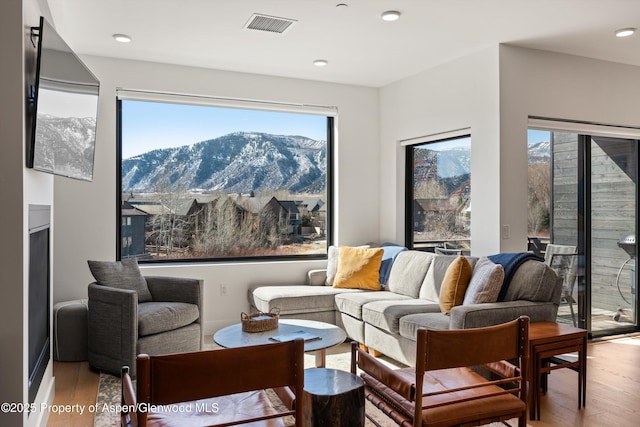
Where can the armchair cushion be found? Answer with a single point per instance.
(123, 274)
(156, 317)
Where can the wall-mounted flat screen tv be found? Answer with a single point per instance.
(62, 109)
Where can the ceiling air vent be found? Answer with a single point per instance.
(270, 24)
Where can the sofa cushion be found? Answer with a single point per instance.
(485, 283)
(295, 299)
(454, 284)
(386, 315)
(408, 272)
(156, 317)
(333, 255)
(123, 274)
(351, 303)
(430, 288)
(358, 268)
(532, 281)
(410, 324)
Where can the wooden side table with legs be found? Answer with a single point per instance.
(547, 341)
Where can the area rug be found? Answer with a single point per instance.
(339, 357)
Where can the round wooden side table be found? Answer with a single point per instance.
(332, 397)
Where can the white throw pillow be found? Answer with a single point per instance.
(485, 283)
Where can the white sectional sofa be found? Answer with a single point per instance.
(387, 320)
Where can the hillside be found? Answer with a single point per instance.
(238, 162)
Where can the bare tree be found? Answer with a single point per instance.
(430, 189)
(539, 198)
(227, 229)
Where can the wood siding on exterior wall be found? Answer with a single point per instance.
(613, 215)
(613, 210)
(565, 189)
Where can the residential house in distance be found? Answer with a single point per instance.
(175, 224)
(133, 230)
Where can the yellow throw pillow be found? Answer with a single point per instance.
(358, 268)
(454, 284)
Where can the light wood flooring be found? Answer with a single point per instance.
(613, 389)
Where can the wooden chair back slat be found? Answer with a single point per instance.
(185, 377)
(449, 360)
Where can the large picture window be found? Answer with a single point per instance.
(438, 209)
(215, 182)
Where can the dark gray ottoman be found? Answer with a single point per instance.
(70, 331)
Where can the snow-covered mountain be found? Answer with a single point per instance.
(65, 145)
(540, 152)
(237, 162)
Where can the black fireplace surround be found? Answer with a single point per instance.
(39, 295)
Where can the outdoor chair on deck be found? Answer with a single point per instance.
(447, 251)
(564, 261)
(446, 387)
(216, 387)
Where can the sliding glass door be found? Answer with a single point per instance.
(613, 206)
(592, 208)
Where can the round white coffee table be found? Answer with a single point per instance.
(330, 335)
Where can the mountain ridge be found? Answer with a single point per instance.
(236, 162)
(242, 162)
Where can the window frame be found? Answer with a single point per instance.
(330, 214)
(409, 185)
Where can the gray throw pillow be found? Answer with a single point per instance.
(123, 274)
(486, 282)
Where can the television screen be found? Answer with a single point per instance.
(65, 102)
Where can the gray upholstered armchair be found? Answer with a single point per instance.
(121, 326)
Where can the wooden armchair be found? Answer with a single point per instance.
(214, 388)
(445, 388)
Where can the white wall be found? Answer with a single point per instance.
(459, 94)
(545, 84)
(20, 187)
(494, 92)
(86, 212)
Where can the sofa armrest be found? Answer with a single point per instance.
(112, 322)
(316, 277)
(488, 314)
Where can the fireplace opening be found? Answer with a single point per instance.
(39, 296)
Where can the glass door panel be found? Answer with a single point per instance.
(612, 220)
(565, 219)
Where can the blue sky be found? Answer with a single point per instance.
(150, 125)
(535, 136)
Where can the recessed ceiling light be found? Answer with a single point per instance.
(625, 32)
(390, 15)
(320, 62)
(122, 38)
